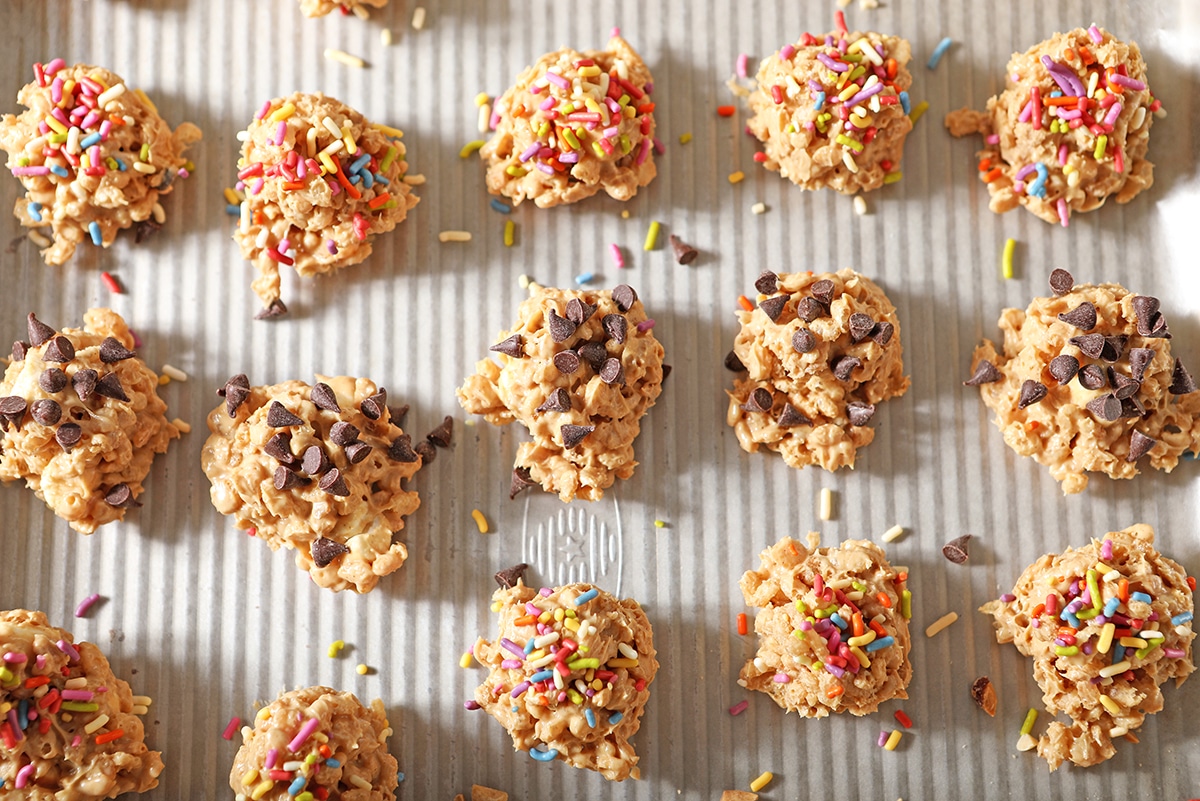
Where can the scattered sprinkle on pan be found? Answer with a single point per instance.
(470, 148)
(174, 372)
(941, 623)
(860, 205)
(111, 283)
(938, 52)
(418, 18)
(651, 235)
(456, 236)
(342, 57)
(892, 741)
(1006, 261)
(759, 208)
(956, 549)
(918, 111)
(892, 534)
(480, 521)
(510, 230)
(743, 624)
(903, 719)
(335, 649)
(826, 508)
(618, 257)
(86, 604)
(762, 781)
(737, 177)
(385, 37)
(739, 708)
(231, 728)
(362, 670)
(465, 660)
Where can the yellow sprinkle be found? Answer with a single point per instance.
(826, 508)
(95, 724)
(659, 524)
(942, 622)
(866, 638)
(342, 57)
(762, 781)
(1106, 637)
(163, 380)
(623, 663)
(327, 161)
(1030, 718)
(861, 655)
(651, 236)
(362, 670)
(736, 177)
(685, 138)
(892, 741)
(465, 660)
(893, 177)
(1006, 263)
(480, 521)
(385, 37)
(496, 606)
(469, 148)
(482, 99)
(1132, 642)
(232, 196)
(918, 111)
(572, 624)
(1112, 670)
(1098, 153)
(249, 777)
(846, 141)
(143, 700)
(906, 604)
(335, 648)
(624, 214)
(510, 229)
(515, 171)
(892, 534)
(262, 789)
(282, 113)
(183, 426)
(454, 236)
(1111, 705)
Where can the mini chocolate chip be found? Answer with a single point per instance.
(325, 550)
(612, 372)
(767, 283)
(279, 417)
(616, 326)
(357, 451)
(624, 296)
(520, 482)
(1063, 368)
(1139, 360)
(374, 406)
(315, 462)
(110, 387)
(1132, 407)
(823, 291)
(860, 413)
(1082, 316)
(733, 363)
(442, 435)
(426, 451)
(53, 380)
(84, 382)
(1114, 348)
(59, 350)
(509, 576)
(68, 435)
(46, 412)
(844, 367)
(120, 497)
(19, 349)
(146, 228)
(684, 253)
(1031, 392)
(561, 329)
(1181, 380)
(1150, 323)
(1123, 386)
(666, 371)
(566, 361)
(956, 549)
(396, 414)
(13, 406)
(1139, 445)
(1106, 407)
(39, 332)
(882, 332)
(112, 351)
(572, 435)
(1091, 345)
(513, 346)
(558, 401)
(323, 397)
(860, 326)
(803, 340)
(810, 309)
(275, 309)
(1091, 377)
(578, 311)
(401, 449)
(235, 396)
(333, 483)
(238, 380)
(773, 306)
(279, 447)
(1061, 282)
(790, 417)
(593, 353)
(759, 400)
(343, 433)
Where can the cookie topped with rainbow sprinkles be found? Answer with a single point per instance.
(360, 8)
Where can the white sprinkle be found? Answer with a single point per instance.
(860, 205)
(385, 37)
(523, 281)
(941, 623)
(342, 57)
(826, 503)
(160, 216)
(361, 12)
(183, 426)
(454, 236)
(174, 372)
(892, 533)
(39, 239)
(113, 93)
(759, 208)
(868, 4)
(1114, 732)
(627, 650)
(418, 20)
(844, 3)
(414, 180)
(485, 118)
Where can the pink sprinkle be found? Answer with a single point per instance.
(786, 52)
(1118, 160)
(234, 723)
(1094, 32)
(257, 186)
(883, 738)
(23, 776)
(644, 151)
(20, 171)
(262, 112)
(1126, 81)
(272, 758)
(781, 678)
(618, 257)
(331, 246)
(54, 66)
(68, 649)
(471, 705)
(739, 708)
(659, 147)
(1064, 213)
(14, 657)
(645, 325)
(1062, 154)
(994, 139)
(76, 740)
(77, 695)
(558, 80)
(305, 732)
(40, 661)
(742, 61)
(616, 31)
(334, 187)
(280, 132)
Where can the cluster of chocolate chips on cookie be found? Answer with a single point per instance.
(88, 385)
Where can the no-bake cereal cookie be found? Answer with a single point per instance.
(360, 8)
(317, 469)
(578, 694)
(72, 730)
(572, 125)
(1070, 129)
(818, 352)
(316, 743)
(1105, 625)
(81, 419)
(1087, 383)
(832, 627)
(316, 182)
(578, 370)
(93, 155)
(832, 111)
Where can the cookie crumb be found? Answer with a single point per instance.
(983, 693)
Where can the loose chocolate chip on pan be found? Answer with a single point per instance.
(1063, 368)
(666, 371)
(1181, 380)
(1091, 345)
(844, 367)
(374, 406)
(982, 691)
(279, 448)
(572, 435)
(53, 380)
(578, 311)
(323, 397)
(112, 351)
(59, 350)
(810, 309)
(401, 449)
(767, 282)
(823, 291)
(733, 363)
(426, 451)
(509, 576)
(882, 332)
(274, 310)
(773, 306)
(1082, 316)
(1123, 386)
(759, 400)
(84, 382)
(561, 328)
(39, 332)
(325, 550)
(1091, 376)
(956, 549)
(1114, 348)
(1139, 360)
(442, 435)
(616, 326)
(333, 483)
(145, 229)
(68, 435)
(315, 462)
(1106, 407)
(1061, 282)
(357, 451)
(860, 326)
(860, 413)
(343, 433)
(46, 412)
(396, 414)
(624, 296)
(593, 353)
(684, 253)
(110, 387)
(512, 346)
(1031, 392)
(566, 361)
(558, 401)
(520, 482)
(1139, 445)
(790, 417)
(120, 497)
(19, 349)
(612, 372)
(278, 416)
(285, 479)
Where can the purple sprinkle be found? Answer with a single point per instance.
(1008, 598)
(1127, 82)
(865, 94)
(835, 670)
(513, 647)
(86, 604)
(1094, 32)
(883, 737)
(1026, 171)
(520, 688)
(645, 325)
(836, 66)
(68, 649)
(739, 707)
(15, 724)
(530, 152)
(471, 705)
(1088, 648)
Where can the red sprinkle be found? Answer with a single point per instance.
(1191, 580)
(742, 623)
(725, 111)
(904, 719)
(739, 707)
(777, 94)
(760, 157)
(234, 723)
(114, 286)
(109, 736)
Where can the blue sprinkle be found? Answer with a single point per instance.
(1110, 606)
(615, 718)
(35, 211)
(591, 717)
(529, 646)
(23, 713)
(1181, 618)
(380, 178)
(94, 230)
(838, 621)
(89, 140)
(1074, 621)
(332, 763)
(584, 278)
(1038, 187)
(356, 178)
(549, 755)
(880, 644)
(1140, 596)
(500, 206)
(820, 101)
(586, 596)
(1056, 93)
(399, 776)
(1118, 653)
(367, 179)
(233, 210)
(360, 162)
(60, 171)
(905, 103)
(938, 52)
(541, 675)
(296, 786)
(120, 165)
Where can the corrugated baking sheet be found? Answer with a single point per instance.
(207, 620)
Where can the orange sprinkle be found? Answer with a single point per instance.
(1115, 88)
(350, 188)
(259, 218)
(878, 629)
(645, 108)
(36, 681)
(1067, 630)
(109, 736)
(1058, 101)
(884, 599)
(1191, 580)
(1032, 425)
(725, 111)
(745, 303)
(902, 575)
(1123, 590)
(857, 622)
(379, 200)
(835, 692)
(293, 185)
(116, 119)
(742, 624)
(1086, 56)
(325, 751)
(890, 64)
(525, 620)
(992, 175)
(1069, 54)
(985, 165)
(1039, 610)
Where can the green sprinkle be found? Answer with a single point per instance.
(80, 706)
(1030, 719)
(906, 604)
(469, 148)
(388, 158)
